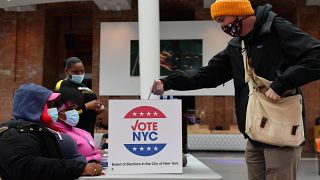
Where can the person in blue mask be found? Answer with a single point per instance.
(68, 118)
(50, 115)
(88, 105)
(29, 150)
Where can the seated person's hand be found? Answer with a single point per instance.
(92, 169)
(94, 105)
(102, 108)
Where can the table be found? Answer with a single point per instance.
(195, 169)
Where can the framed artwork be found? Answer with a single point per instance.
(183, 45)
(176, 56)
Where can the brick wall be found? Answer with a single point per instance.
(8, 30)
(308, 20)
(98, 17)
(21, 52)
(51, 57)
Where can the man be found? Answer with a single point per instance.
(31, 151)
(279, 52)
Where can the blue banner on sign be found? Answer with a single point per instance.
(145, 149)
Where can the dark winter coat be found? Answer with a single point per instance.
(280, 52)
(29, 150)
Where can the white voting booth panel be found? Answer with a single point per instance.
(145, 136)
(195, 170)
(217, 142)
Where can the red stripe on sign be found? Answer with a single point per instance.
(145, 112)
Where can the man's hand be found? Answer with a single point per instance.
(157, 87)
(92, 169)
(272, 95)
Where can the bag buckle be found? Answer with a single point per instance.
(263, 122)
(294, 130)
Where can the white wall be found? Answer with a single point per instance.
(115, 40)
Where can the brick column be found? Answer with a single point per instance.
(21, 52)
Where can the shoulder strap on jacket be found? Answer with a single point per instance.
(58, 85)
(4, 127)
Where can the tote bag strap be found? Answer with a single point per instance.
(247, 77)
(245, 62)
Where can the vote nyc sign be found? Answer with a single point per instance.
(145, 136)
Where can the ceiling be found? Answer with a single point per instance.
(30, 5)
(313, 2)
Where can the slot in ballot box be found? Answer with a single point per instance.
(145, 136)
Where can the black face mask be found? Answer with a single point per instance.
(234, 29)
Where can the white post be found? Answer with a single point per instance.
(149, 45)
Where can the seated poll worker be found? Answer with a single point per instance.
(68, 147)
(68, 118)
(29, 150)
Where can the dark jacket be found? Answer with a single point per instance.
(28, 150)
(81, 95)
(280, 52)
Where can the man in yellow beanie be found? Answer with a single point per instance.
(227, 12)
(279, 52)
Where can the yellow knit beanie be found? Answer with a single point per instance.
(231, 8)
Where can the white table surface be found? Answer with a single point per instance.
(195, 169)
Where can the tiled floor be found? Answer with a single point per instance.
(232, 165)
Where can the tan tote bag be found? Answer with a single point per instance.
(278, 123)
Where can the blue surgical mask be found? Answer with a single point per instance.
(72, 117)
(77, 78)
(53, 113)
